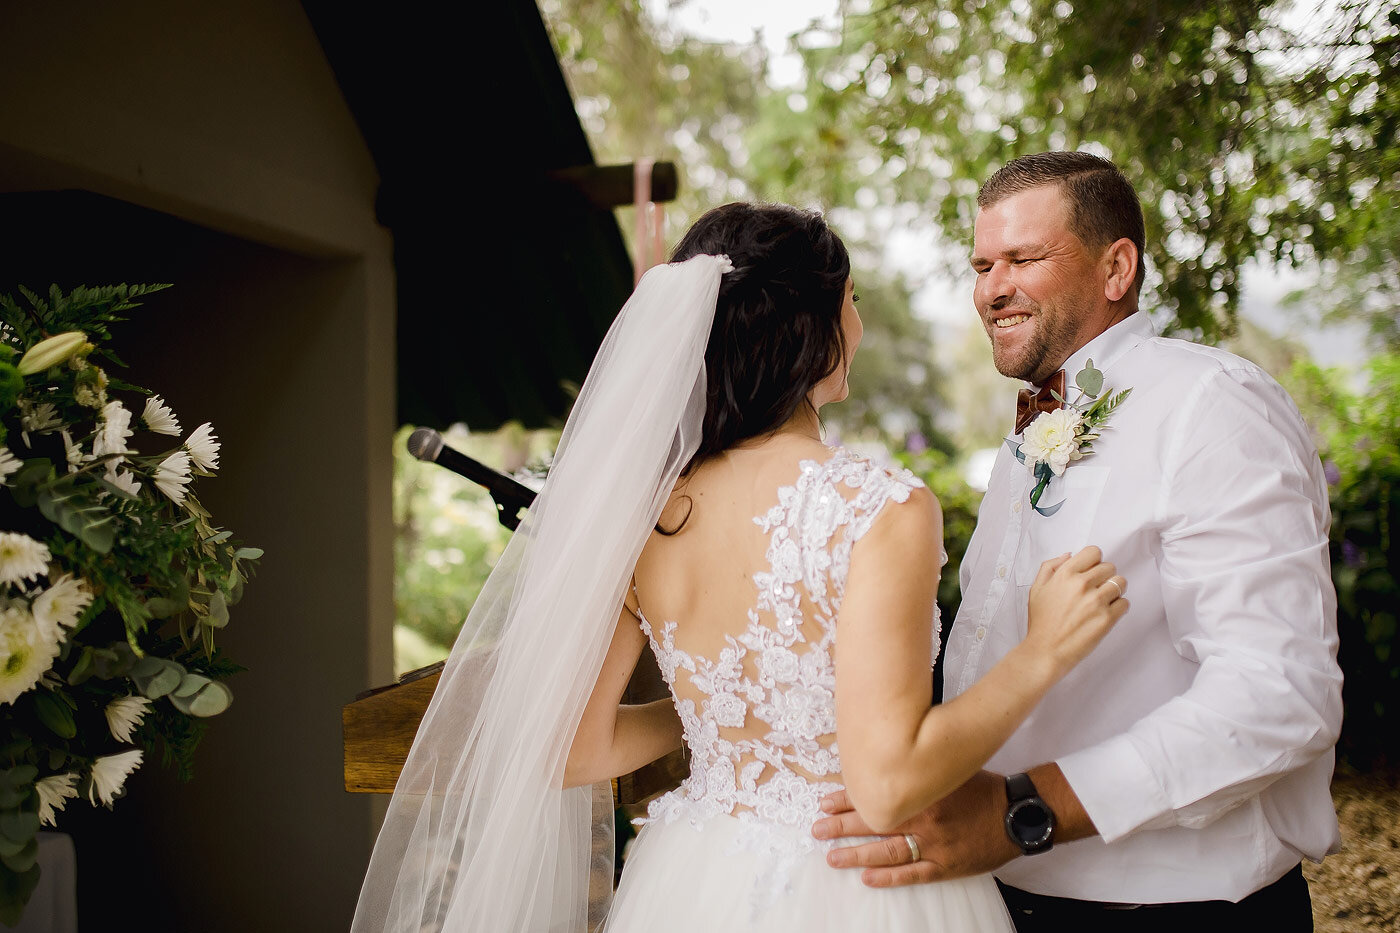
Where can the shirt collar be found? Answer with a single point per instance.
(1106, 348)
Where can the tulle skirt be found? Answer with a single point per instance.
(720, 877)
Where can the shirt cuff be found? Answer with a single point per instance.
(1117, 788)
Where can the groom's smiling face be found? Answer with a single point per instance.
(1037, 289)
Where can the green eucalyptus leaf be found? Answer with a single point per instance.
(210, 701)
(189, 685)
(148, 667)
(248, 553)
(218, 611)
(12, 847)
(158, 679)
(235, 589)
(18, 825)
(26, 857)
(12, 797)
(1090, 380)
(18, 776)
(114, 661)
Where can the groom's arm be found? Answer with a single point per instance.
(961, 835)
(1246, 587)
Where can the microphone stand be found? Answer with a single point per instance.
(509, 495)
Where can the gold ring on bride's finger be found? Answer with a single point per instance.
(1116, 586)
(914, 855)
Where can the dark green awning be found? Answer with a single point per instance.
(506, 282)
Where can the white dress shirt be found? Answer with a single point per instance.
(1199, 734)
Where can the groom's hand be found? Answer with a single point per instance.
(960, 835)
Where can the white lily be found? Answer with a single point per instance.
(51, 352)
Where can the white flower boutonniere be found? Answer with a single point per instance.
(1055, 439)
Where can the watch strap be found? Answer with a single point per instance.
(1019, 787)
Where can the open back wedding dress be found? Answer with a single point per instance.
(732, 848)
(481, 836)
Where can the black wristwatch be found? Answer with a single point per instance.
(1030, 823)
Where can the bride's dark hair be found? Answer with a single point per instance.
(777, 330)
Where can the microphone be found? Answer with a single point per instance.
(509, 495)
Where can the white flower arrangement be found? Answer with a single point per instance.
(113, 580)
(1055, 439)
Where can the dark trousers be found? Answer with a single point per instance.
(1283, 907)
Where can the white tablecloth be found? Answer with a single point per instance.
(54, 906)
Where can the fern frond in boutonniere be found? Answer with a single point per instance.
(1055, 439)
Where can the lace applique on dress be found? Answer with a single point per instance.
(760, 719)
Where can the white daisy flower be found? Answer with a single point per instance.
(54, 790)
(39, 418)
(109, 774)
(159, 418)
(74, 452)
(173, 475)
(8, 464)
(113, 431)
(59, 606)
(204, 447)
(21, 557)
(123, 480)
(124, 714)
(25, 652)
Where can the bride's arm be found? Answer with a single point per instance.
(898, 754)
(614, 739)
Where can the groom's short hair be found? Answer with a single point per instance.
(1103, 207)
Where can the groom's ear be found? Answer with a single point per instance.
(1121, 263)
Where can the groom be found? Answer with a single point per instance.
(1180, 774)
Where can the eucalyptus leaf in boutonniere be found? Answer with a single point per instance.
(1055, 439)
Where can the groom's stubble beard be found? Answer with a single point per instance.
(1054, 336)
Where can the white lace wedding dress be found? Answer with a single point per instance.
(732, 849)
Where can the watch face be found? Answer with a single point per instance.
(1029, 821)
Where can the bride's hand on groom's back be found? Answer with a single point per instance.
(1074, 602)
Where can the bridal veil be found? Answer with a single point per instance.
(479, 835)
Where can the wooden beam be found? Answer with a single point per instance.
(609, 186)
(379, 726)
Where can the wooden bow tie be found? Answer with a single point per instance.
(1030, 404)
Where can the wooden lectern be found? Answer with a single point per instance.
(379, 727)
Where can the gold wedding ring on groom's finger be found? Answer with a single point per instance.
(914, 855)
(1117, 586)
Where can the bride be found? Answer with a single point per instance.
(693, 507)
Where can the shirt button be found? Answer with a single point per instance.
(1016, 505)
(1001, 571)
(981, 632)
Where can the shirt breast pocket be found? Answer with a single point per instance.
(1071, 527)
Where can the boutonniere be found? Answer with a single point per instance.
(1055, 439)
